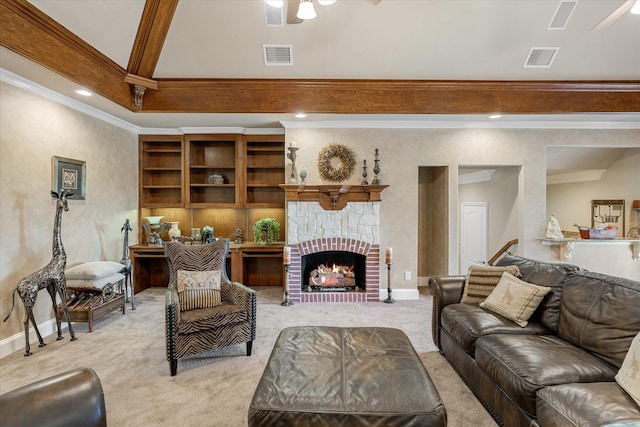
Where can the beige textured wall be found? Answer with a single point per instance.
(403, 151)
(32, 130)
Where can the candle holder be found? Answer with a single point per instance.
(292, 156)
(286, 260)
(287, 302)
(389, 300)
(376, 171)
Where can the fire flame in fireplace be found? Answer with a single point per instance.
(336, 275)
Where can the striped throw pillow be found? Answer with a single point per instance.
(198, 289)
(481, 280)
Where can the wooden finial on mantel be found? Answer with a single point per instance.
(139, 86)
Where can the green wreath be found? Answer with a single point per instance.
(345, 157)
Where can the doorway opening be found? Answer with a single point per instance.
(433, 222)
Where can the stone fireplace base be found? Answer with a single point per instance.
(371, 251)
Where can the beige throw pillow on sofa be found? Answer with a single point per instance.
(628, 377)
(198, 289)
(515, 299)
(481, 280)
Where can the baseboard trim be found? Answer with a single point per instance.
(400, 294)
(16, 342)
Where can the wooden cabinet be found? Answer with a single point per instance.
(179, 179)
(161, 171)
(208, 156)
(247, 263)
(251, 168)
(264, 171)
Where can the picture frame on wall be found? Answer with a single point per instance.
(69, 174)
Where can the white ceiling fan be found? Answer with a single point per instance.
(300, 10)
(632, 6)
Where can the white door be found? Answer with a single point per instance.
(474, 235)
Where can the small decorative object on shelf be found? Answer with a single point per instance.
(286, 260)
(174, 231)
(553, 228)
(376, 171)
(154, 221)
(154, 229)
(266, 231)
(388, 260)
(207, 234)
(196, 236)
(364, 173)
(238, 236)
(303, 175)
(215, 179)
(293, 148)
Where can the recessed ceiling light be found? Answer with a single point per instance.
(495, 116)
(300, 115)
(83, 92)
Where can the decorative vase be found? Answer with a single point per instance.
(195, 235)
(174, 231)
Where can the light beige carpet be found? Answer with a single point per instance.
(215, 389)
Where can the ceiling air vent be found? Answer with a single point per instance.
(278, 54)
(541, 57)
(562, 15)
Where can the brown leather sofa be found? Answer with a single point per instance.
(73, 398)
(558, 370)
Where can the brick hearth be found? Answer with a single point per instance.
(372, 265)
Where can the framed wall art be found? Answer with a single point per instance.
(69, 174)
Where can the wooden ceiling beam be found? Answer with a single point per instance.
(152, 32)
(32, 34)
(393, 96)
(29, 32)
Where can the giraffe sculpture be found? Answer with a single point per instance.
(126, 261)
(50, 277)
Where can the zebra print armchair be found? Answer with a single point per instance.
(201, 329)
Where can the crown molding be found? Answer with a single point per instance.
(461, 121)
(7, 76)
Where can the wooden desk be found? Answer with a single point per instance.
(249, 263)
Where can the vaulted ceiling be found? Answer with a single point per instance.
(190, 62)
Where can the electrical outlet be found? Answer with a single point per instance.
(407, 275)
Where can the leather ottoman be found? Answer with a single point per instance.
(327, 376)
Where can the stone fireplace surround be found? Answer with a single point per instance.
(327, 218)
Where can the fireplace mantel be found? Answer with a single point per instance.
(332, 197)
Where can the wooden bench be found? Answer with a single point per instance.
(90, 304)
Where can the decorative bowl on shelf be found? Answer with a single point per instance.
(603, 233)
(154, 221)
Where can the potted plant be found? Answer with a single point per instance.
(266, 231)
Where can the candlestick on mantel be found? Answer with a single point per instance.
(388, 256)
